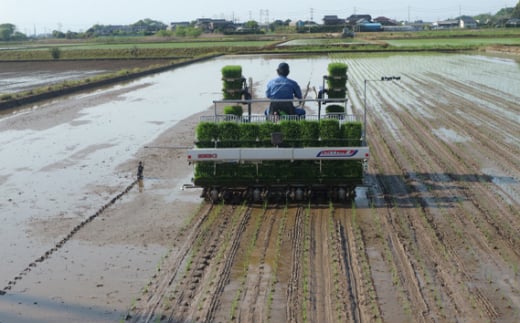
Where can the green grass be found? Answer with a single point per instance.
(448, 33)
(200, 44)
(452, 42)
(86, 45)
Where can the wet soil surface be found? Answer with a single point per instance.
(434, 237)
(22, 76)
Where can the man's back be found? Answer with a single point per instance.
(283, 88)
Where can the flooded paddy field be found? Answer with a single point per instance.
(27, 75)
(433, 236)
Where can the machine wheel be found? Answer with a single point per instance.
(213, 196)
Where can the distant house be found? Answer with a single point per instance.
(203, 24)
(386, 21)
(467, 22)
(333, 20)
(462, 22)
(303, 24)
(358, 19)
(222, 25)
(209, 25)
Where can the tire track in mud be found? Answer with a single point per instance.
(459, 163)
(356, 296)
(427, 141)
(426, 198)
(487, 130)
(194, 278)
(388, 187)
(144, 310)
(431, 147)
(321, 276)
(261, 264)
(347, 270)
(295, 299)
(406, 229)
(329, 274)
(497, 204)
(224, 274)
(62, 242)
(260, 271)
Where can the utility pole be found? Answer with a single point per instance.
(312, 14)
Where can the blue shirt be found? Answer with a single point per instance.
(283, 88)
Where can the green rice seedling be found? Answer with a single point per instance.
(229, 134)
(352, 131)
(232, 82)
(266, 130)
(207, 133)
(291, 133)
(310, 133)
(232, 71)
(337, 80)
(236, 110)
(329, 132)
(337, 69)
(334, 108)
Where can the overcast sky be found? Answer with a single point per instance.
(78, 15)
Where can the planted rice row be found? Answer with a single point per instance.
(324, 133)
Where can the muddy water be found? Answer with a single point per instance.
(60, 159)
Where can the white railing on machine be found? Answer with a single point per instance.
(250, 117)
(263, 118)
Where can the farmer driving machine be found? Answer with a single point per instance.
(261, 157)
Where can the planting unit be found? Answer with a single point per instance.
(259, 157)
